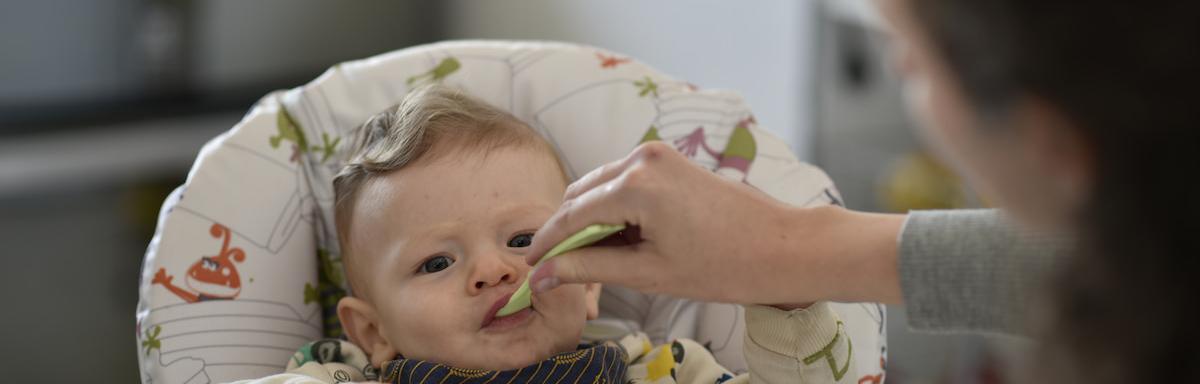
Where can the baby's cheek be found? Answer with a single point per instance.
(418, 326)
(568, 310)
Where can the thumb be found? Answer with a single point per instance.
(598, 264)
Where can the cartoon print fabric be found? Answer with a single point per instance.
(245, 267)
(211, 277)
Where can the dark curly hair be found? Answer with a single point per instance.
(1125, 73)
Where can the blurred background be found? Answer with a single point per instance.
(105, 103)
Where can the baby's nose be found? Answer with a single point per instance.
(498, 269)
(503, 278)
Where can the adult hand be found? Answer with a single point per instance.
(695, 234)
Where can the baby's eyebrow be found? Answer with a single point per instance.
(436, 232)
(521, 210)
(401, 251)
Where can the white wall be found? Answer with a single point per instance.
(250, 42)
(760, 48)
(66, 50)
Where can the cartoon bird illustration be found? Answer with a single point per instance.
(212, 277)
(651, 135)
(611, 61)
(646, 87)
(151, 342)
(733, 161)
(691, 144)
(328, 147)
(288, 130)
(739, 152)
(444, 68)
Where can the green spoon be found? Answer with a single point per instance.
(591, 234)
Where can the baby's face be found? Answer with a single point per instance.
(440, 245)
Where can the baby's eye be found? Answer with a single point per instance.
(521, 241)
(436, 264)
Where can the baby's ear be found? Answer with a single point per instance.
(361, 324)
(591, 296)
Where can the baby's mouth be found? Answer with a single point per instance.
(490, 320)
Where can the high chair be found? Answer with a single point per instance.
(245, 266)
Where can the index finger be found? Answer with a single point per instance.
(595, 206)
(612, 170)
(596, 177)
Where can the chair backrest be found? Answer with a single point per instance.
(245, 265)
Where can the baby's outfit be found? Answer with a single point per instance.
(800, 346)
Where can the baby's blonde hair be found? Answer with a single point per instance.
(428, 117)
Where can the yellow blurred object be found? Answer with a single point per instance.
(920, 181)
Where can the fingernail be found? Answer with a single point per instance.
(545, 284)
(543, 278)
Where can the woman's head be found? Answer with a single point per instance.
(1078, 116)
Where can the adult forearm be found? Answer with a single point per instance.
(841, 255)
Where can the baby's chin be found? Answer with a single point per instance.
(498, 360)
(509, 357)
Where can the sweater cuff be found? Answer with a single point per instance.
(973, 270)
(793, 333)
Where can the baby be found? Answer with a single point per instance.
(435, 212)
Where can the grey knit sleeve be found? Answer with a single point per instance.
(973, 270)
